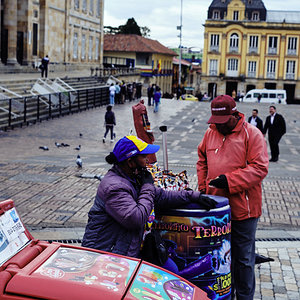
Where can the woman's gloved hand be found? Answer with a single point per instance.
(206, 202)
(220, 182)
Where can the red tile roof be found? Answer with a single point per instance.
(134, 43)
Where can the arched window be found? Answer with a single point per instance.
(234, 43)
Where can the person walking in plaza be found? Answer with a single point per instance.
(259, 98)
(275, 125)
(156, 99)
(233, 161)
(118, 94)
(112, 92)
(127, 200)
(44, 66)
(110, 122)
(255, 120)
(149, 94)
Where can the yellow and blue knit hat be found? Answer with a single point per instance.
(131, 145)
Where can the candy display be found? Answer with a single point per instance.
(167, 179)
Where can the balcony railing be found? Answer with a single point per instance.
(271, 75)
(253, 50)
(292, 52)
(234, 49)
(214, 48)
(252, 74)
(213, 72)
(290, 76)
(272, 51)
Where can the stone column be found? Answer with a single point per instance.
(10, 23)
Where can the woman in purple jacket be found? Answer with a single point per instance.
(127, 198)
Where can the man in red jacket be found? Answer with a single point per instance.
(233, 161)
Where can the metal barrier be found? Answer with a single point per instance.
(37, 108)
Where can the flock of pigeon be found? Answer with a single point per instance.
(59, 145)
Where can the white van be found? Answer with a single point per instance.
(267, 96)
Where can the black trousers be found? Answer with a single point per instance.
(274, 146)
(111, 129)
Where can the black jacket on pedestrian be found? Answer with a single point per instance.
(110, 118)
(277, 129)
(259, 123)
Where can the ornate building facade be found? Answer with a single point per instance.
(247, 46)
(70, 32)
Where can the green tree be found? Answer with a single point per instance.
(145, 31)
(131, 27)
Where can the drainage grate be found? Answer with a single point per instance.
(72, 241)
(277, 239)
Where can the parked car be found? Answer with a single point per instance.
(34, 269)
(188, 97)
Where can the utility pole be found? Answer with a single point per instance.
(180, 45)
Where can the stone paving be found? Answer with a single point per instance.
(48, 194)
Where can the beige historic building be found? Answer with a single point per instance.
(68, 31)
(247, 46)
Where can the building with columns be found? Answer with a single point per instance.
(247, 46)
(68, 31)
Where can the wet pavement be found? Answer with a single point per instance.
(53, 202)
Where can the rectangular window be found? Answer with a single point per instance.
(98, 8)
(76, 4)
(232, 64)
(252, 69)
(273, 41)
(255, 16)
(235, 15)
(271, 68)
(213, 67)
(75, 45)
(253, 44)
(84, 5)
(83, 47)
(90, 48)
(290, 69)
(216, 14)
(91, 7)
(97, 49)
(292, 46)
(214, 42)
(35, 39)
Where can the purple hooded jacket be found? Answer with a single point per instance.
(121, 209)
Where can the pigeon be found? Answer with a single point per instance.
(58, 145)
(98, 176)
(79, 161)
(65, 145)
(44, 148)
(80, 134)
(78, 148)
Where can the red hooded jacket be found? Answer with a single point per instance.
(242, 157)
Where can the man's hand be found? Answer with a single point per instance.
(206, 202)
(146, 177)
(220, 182)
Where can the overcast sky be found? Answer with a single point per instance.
(163, 16)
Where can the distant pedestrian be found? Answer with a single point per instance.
(255, 120)
(156, 99)
(275, 123)
(44, 66)
(123, 92)
(118, 93)
(233, 94)
(259, 98)
(130, 91)
(110, 122)
(112, 92)
(149, 94)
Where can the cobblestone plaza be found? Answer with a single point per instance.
(53, 202)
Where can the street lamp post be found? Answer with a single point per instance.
(180, 45)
